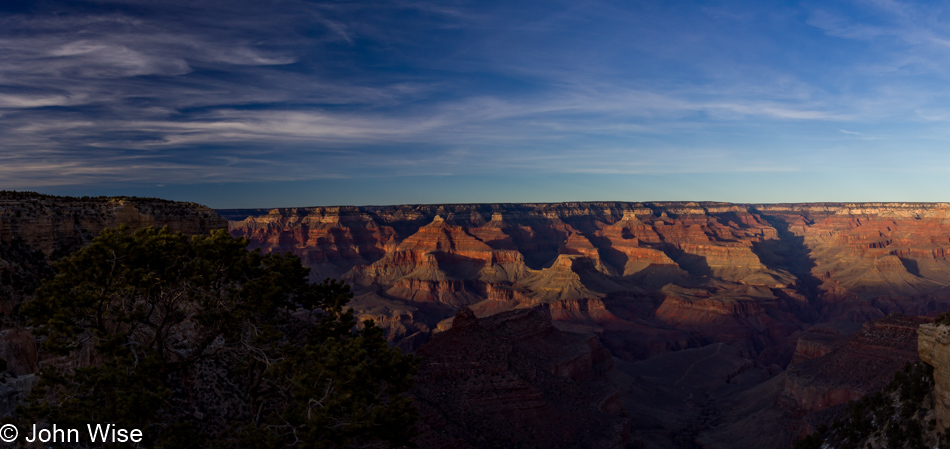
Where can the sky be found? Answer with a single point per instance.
(240, 104)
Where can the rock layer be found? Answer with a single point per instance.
(871, 250)
(35, 231)
(774, 283)
(854, 366)
(934, 349)
(514, 380)
(496, 257)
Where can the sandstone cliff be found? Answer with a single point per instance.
(774, 283)
(497, 257)
(513, 380)
(895, 254)
(850, 367)
(717, 272)
(934, 349)
(36, 230)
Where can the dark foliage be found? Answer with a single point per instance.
(892, 416)
(202, 344)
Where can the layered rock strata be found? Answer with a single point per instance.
(934, 349)
(514, 380)
(749, 275)
(853, 367)
(815, 343)
(777, 283)
(36, 230)
(893, 253)
(624, 259)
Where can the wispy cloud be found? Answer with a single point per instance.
(205, 91)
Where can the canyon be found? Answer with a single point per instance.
(597, 324)
(647, 277)
(752, 311)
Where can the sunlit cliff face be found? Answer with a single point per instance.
(689, 273)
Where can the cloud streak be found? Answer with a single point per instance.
(183, 92)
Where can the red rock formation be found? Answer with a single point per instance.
(815, 343)
(329, 240)
(632, 257)
(570, 277)
(499, 257)
(580, 310)
(442, 263)
(757, 274)
(860, 364)
(646, 278)
(36, 229)
(933, 346)
(514, 380)
(874, 249)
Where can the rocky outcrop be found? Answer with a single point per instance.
(933, 343)
(889, 251)
(862, 363)
(14, 390)
(619, 238)
(749, 317)
(55, 226)
(646, 278)
(36, 230)
(897, 251)
(497, 257)
(329, 240)
(514, 380)
(815, 343)
(18, 350)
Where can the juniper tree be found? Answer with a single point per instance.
(201, 343)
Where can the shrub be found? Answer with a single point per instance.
(200, 343)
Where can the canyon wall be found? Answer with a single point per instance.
(646, 277)
(549, 294)
(56, 225)
(870, 259)
(845, 368)
(514, 380)
(934, 349)
(653, 276)
(807, 298)
(37, 229)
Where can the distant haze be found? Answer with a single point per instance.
(299, 103)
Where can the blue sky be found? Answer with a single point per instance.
(297, 103)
